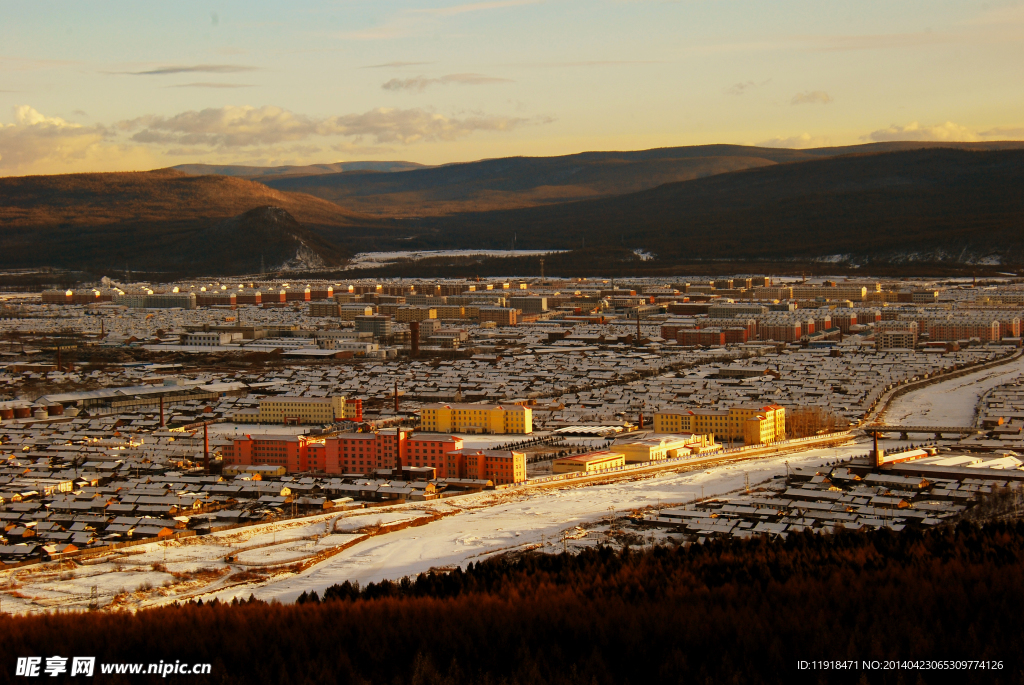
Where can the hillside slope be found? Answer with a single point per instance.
(256, 172)
(515, 182)
(151, 220)
(918, 205)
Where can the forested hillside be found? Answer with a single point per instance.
(723, 612)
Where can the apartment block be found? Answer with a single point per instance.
(502, 316)
(476, 418)
(302, 410)
(500, 466)
(727, 423)
(319, 309)
(891, 335)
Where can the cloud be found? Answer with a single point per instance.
(234, 127)
(35, 143)
(415, 125)
(204, 84)
(418, 83)
(196, 68)
(741, 88)
(1004, 133)
(816, 97)
(802, 141)
(914, 131)
(395, 64)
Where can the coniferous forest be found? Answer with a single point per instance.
(728, 611)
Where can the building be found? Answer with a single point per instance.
(983, 327)
(151, 300)
(290, 452)
(661, 447)
(351, 312)
(378, 326)
(701, 337)
(502, 467)
(589, 463)
(476, 418)
(502, 316)
(727, 423)
(366, 452)
(529, 304)
(332, 309)
(891, 335)
(302, 410)
(209, 338)
(731, 310)
(355, 453)
(408, 314)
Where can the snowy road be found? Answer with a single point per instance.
(952, 402)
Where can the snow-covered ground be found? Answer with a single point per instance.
(472, 528)
(482, 525)
(952, 402)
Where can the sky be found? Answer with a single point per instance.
(114, 85)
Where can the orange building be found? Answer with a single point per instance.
(290, 451)
(366, 452)
(348, 452)
(500, 466)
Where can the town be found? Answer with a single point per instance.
(142, 413)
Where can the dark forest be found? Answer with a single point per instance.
(727, 611)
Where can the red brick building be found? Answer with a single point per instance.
(500, 466)
(344, 453)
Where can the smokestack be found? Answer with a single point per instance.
(162, 411)
(206, 449)
(414, 329)
(399, 474)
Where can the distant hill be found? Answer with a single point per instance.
(256, 172)
(932, 204)
(891, 202)
(160, 220)
(515, 182)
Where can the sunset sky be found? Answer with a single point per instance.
(112, 85)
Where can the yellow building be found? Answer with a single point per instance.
(661, 447)
(299, 410)
(729, 424)
(450, 311)
(588, 463)
(476, 418)
(407, 314)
